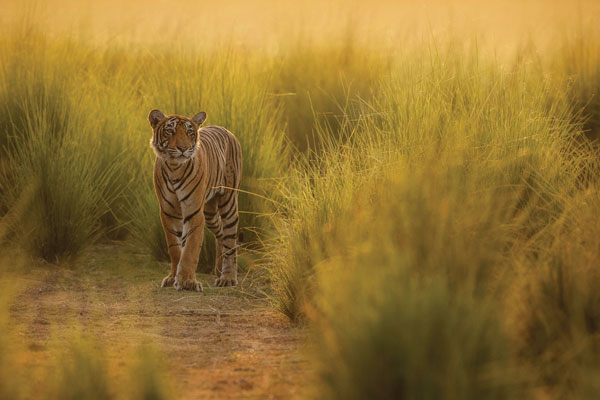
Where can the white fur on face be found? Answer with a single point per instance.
(171, 124)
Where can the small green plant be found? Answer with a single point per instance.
(148, 377)
(83, 373)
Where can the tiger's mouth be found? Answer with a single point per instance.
(179, 155)
(181, 158)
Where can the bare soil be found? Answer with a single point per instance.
(221, 344)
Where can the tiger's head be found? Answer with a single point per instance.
(174, 137)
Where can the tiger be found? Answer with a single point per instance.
(197, 176)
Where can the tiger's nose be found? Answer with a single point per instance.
(182, 148)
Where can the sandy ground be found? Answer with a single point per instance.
(221, 344)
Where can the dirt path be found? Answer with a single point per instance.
(224, 343)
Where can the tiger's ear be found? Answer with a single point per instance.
(155, 117)
(199, 118)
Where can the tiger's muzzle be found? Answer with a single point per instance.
(180, 152)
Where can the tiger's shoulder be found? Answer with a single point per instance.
(217, 134)
(215, 130)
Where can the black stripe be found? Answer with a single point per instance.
(231, 214)
(230, 236)
(164, 198)
(231, 224)
(187, 235)
(186, 219)
(165, 180)
(192, 180)
(229, 211)
(230, 193)
(176, 233)
(169, 215)
(156, 135)
(186, 176)
(191, 191)
(186, 168)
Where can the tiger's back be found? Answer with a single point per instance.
(221, 200)
(223, 151)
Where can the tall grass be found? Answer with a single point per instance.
(408, 339)
(456, 172)
(577, 60)
(51, 147)
(74, 127)
(315, 80)
(467, 135)
(554, 311)
(437, 227)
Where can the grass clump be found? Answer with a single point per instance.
(51, 148)
(10, 385)
(84, 371)
(416, 220)
(410, 340)
(475, 142)
(314, 82)
(148, 380)
(68, 193)
(556, 317)
(83, 374)
(406, 309)
(577, 60)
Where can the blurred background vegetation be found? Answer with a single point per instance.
(420, 180)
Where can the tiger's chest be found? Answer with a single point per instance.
(198, 184)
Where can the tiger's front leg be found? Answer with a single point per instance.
(191, 244)
(172, 223)
(172, 228)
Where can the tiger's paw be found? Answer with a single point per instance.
(225, 281)
(168, 281)
(188, 284)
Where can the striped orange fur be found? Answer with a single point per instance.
(197, 174)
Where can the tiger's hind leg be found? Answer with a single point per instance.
(213, 223)
(228, 210)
